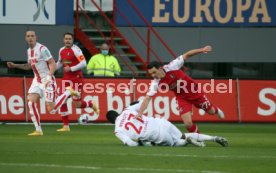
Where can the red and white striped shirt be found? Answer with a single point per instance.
(38, 57)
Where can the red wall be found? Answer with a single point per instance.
(257, 100)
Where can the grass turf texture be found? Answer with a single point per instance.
(252, 148)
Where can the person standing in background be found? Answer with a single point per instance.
(104, 64)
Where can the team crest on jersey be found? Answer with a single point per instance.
(171, 76)
(68, 54)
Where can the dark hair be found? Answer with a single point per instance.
(68, 33)
(111, 116)
(155, 64)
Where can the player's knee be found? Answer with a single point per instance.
(50, 106)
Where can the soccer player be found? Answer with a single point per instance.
(184, 87)
(73, 61)
(43, 65)
(148, 130)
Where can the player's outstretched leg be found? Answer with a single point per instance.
(89, 104)
(63, 97)
(194, 142)
(215, 110)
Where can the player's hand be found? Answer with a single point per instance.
(66, 69)
(48, 80)
(138, 116)
(207, 49)
(11, 65)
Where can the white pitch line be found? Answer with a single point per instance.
(99, 168)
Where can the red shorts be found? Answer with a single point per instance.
(75, 84)
(186, 104)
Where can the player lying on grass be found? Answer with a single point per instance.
(153, 131)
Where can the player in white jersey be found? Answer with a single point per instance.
(43, 65)
(148, 130)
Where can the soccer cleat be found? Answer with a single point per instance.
(220, 114)
(195, 143)
(95, 108)
(222, 141)
(72, 91)
(36, 133)
(64, 129)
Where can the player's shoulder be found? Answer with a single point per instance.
(62, 48)
(75, 48)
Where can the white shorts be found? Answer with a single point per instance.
(169, 135)
(49, 92)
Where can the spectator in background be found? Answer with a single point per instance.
(104, 64)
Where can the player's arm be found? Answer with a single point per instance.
(151, 92)
(19, 66)
(52, 66)
(193, 52)
(59, 63)
(143, 106)
(82, 62)
(126, 140)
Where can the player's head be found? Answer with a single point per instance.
(104, 49)
(111, 116)
(68, 39)
(30, 38)
(155, 70)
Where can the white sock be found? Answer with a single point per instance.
(60, 101)
(35, 117)
(200, 137)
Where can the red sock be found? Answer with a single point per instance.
(193, 129)
(65, 120)
(85, 105)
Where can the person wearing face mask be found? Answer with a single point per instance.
(103, 64)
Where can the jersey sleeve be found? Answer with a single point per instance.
(78, 53)
(46, 54)
(153, 88)
(175, 64)
(126, 140)
(59, 62)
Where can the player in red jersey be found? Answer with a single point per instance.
(172, 76)
(73, 61)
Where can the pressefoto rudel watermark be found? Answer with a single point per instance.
(181, 86)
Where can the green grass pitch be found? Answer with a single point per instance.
(94, 148)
